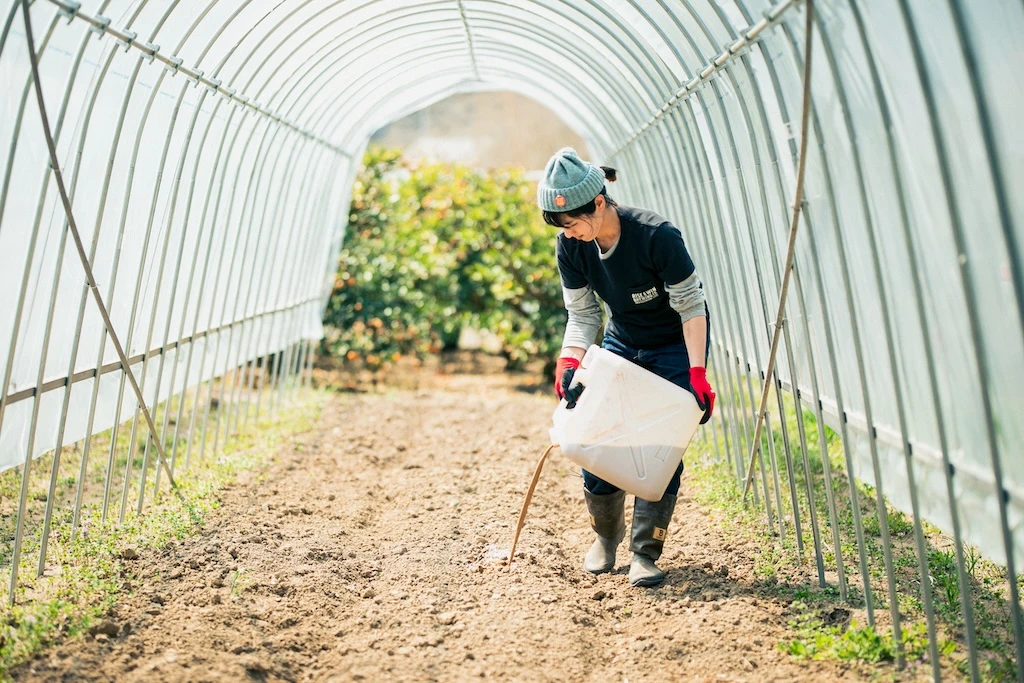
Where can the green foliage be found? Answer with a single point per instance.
(997, 669)
(945, 582)
(433, 248)
(817, 640)
(776, 558)
(899, 524)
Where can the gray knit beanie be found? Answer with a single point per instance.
(569, 182)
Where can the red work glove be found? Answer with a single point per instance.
(565, 368)
(702, 390)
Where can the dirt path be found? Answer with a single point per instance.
(371, 552)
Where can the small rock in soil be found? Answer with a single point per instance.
(106, 627)
(254, 666)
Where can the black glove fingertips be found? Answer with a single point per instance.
(572, 395)
(702, 402)
(567, 376)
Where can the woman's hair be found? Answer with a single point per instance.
(554, 218)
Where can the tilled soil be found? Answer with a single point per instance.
(374, 550)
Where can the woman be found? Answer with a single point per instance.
(637, 263)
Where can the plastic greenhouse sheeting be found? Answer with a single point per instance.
(210, 147)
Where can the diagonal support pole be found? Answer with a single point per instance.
(73, 226)
(798, 202)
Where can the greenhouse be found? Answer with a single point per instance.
(182, 181)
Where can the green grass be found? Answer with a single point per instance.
(239, 582)
(85, 576)
(814, 639)
(777, 557)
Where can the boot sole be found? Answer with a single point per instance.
(646, 579)
(647, 583)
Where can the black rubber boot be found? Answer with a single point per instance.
(650, 526)
(608, 520)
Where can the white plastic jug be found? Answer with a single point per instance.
(629, 426)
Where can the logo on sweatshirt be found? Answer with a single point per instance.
(645, 296)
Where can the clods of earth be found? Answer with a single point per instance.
(374, 548)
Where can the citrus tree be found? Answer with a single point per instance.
(433, 248)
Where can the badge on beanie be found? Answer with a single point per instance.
(559, 200)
